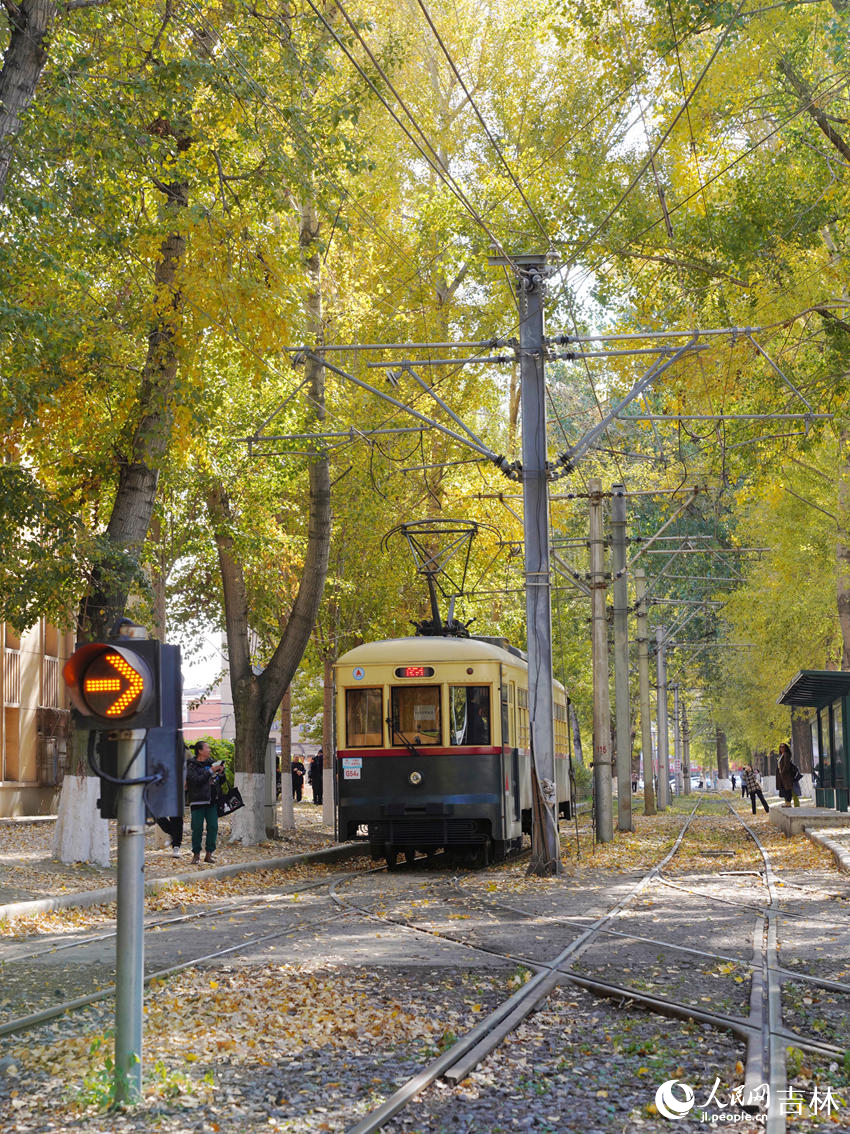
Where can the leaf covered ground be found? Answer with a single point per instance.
(302, 1047)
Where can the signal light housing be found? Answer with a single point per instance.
(115, 687)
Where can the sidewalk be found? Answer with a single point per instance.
(28, 872)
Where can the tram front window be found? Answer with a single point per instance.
(469, 706)
(363, 724)
(416, 714)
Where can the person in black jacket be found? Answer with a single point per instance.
(314, 775)
(203, 786)
(297, 779)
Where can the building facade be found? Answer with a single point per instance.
(35, 719)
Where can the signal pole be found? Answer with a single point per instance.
(130, 919)
(686, 751)
(677, 737)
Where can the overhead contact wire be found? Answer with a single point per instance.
(484, 125)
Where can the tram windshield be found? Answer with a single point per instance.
(469, 707)
(416, 714)
(364, 726)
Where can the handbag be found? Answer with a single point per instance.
(230, 801)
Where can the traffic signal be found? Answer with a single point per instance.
(132, 683)
(115, 686)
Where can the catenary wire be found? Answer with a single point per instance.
(484, 125)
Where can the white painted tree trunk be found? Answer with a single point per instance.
(287, 821)
(328, 797)
(248, 824)
(80, 834)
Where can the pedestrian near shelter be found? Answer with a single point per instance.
(828, 693)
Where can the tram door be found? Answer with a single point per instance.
(509, 739)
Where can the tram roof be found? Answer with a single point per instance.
(426, 648)
(816, 688)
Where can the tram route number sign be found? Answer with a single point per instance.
(352, 767)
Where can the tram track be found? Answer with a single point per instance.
(763, 1035)
(761, 1031)
(246, 907)
(250, 907)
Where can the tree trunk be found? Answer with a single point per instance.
(130, 519)
(810, 105)
(576, 736)
(801, 739)
(30, 23)
(843, 542)
(257, 696)
(288, 820)
(722, 755)
(139, 471)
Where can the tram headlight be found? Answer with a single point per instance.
(415, 777)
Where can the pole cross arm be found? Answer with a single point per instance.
(471, 442)
(663, 528)
(566, 572)
(570, 457)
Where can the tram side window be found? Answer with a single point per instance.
(522, 712)
(416, 714)
(560, 714)
(363, 718)
(469, 706)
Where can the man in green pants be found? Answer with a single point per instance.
(203, 784)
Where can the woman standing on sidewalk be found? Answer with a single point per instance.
(203, 780)
(786, 773)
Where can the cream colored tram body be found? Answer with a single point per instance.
(433, 746)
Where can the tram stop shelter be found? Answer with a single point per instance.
(828, 693)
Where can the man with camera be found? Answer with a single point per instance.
(203, 787)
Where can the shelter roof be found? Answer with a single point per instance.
(816, 687)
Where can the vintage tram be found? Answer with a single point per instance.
(433, 747)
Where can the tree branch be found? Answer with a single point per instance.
(808, 104)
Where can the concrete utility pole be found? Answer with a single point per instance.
(545, 843)
(677, 738)
(601, 700)
(621, 657)
(661, 717)
(686, 751)
(643, 679)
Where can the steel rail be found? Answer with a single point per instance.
(525, 999)
(36, 1019)
(760, 910)
(765, 1054)
(455, 1064)
(158, 923)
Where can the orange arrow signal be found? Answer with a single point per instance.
(134, 684)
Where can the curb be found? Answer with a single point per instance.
(83, 898)
(838, 852)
